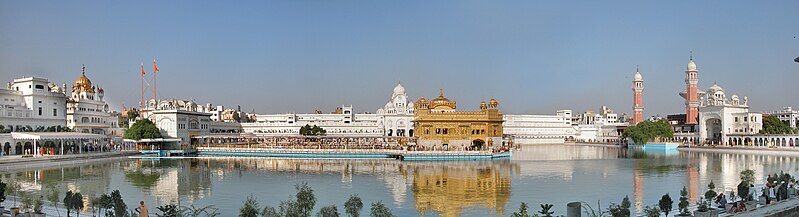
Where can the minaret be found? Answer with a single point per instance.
(638, 98)
(691, 92)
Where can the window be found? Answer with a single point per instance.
(40, 111)
(55, 112)
(40, 87)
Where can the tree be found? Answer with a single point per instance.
(120, 209)
(328, 211)
(622, 210)
(143, 129)
(380, 210)
(773, 125)
(77, 203)
(683, 205)
(169, 210)
(250, 207)
(2, 189)
(522, 211)
(270, 212)
(105, 203)
(68, 202)
(52, 197)
(353, 206)
(653, 211)
(748, 176)
(305, 199)
(545, 210)
(665, 204)
(647, 131)
(314, 130)
(13, 188)
(711, 193)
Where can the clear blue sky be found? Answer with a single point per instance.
(534, 56)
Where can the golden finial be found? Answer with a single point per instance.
(83, 69)
(441, 92)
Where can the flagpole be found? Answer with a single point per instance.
(155, 81)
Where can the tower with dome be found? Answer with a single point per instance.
(87, 111)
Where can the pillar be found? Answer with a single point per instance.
(573, 209)
(35, 148)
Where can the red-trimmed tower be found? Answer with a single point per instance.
(638, 98)
(691, 94)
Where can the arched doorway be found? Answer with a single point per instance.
(410, 133)
(18, 148)
(713, 130)
(389, 132)
(7, 148)
(477, 144)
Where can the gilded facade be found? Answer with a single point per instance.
(438, 124)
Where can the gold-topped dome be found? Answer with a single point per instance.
(441, 101)
(493, 103)
(82, 84)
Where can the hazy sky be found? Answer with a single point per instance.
(296, 56)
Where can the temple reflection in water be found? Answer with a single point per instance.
(555, 174)
(450, 188)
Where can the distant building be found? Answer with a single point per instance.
(394, 119)
(540, 129)
(721, 117)
(32, 103)
(787, 115)
(438, 124)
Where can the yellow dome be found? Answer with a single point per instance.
(82, 84)
(442, 101)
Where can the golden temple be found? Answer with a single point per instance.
(438, 125)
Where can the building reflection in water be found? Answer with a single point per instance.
(170, 180)
(448, 188)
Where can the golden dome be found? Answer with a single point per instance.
(82, 84)
(442, 101)
(493, 103)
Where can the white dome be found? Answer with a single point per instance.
(399, 89)
(716, 88)
(691, 66)
(638, 76)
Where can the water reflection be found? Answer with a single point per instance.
(553, 174)
(450, 188)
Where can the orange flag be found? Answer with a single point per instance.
(155, 67)
(142, 70)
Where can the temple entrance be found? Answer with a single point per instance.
(713, 130)
(7, 149)
(477, 144)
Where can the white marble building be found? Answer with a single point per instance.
(721, 117)
(181, 119)
(540, 129)
(87, 111)
(394, 119)
(397, 115)
(32, 102)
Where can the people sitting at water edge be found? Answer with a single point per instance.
(721, 200)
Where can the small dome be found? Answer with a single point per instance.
(716, 88)
(399, 89)
(82, 84)
(638, 76)
(442, 101)
(691, 65)
(493, 102)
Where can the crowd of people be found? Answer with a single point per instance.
(773, 191)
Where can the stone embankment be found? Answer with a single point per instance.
(10, 163)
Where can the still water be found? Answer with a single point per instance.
(555, 174)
